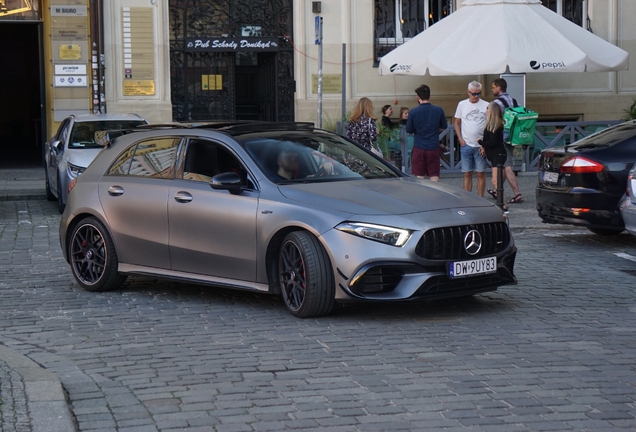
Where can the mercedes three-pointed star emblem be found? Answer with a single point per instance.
(472, 242)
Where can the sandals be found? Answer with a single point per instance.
(492, 192)
(516, 199)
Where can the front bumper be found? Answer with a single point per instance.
(366, 270)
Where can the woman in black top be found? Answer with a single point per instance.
(492, 141)
(387, 110)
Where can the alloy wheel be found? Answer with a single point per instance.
(88, 254)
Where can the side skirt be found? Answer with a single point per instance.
(192, 277)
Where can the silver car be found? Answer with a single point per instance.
(627, 205)
(73, 148)
(280, 208)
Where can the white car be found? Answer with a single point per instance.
(73, 148)
(628, 203)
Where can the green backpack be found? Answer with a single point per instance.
(520, 123)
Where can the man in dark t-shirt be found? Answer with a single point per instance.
(425, 122)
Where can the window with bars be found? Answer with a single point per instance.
(397, 21)
(569, 9)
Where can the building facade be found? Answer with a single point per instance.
(193, 60)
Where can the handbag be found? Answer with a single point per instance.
(375, 148)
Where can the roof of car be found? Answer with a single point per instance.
(106, 117)
(231, 127)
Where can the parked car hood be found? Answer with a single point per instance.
(398, 196)
(81, 157)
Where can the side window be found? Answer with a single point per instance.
(205, 159)
(121, 166)
(154, 158)
(151, 158)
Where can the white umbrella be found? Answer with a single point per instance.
(488, 36)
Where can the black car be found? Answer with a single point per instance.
(583, 182)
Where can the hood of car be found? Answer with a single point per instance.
(398, 196)
(81, 157)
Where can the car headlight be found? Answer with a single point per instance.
(380, 233)
(74, 170)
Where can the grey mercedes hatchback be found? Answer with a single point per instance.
(281, 208)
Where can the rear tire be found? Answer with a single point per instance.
(305, 276)
(605, 232)
(93, 258)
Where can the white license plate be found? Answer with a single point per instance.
(472, 267)
(550, 177)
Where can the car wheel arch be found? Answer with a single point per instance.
(77, 219)
(273, 249)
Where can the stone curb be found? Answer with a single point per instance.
(22, 195)
(45, 398)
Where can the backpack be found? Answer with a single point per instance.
(519, 123)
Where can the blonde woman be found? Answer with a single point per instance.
(362, 128)
(492, 142)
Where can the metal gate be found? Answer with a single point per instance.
(208, 56)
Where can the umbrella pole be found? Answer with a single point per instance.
(500, 188)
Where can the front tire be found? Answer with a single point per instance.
(93, 258)
(60, 200)
(306, 276)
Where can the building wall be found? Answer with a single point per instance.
(582, 96)
(122, 93)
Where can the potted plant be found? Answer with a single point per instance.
(630, 113)
(388, 141)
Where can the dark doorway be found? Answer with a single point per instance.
(20, 96)
(231, 84)
(255, 86)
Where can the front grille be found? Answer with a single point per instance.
(448, 243)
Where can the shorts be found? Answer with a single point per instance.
(472, 160)
(425, 163)
(508, 162)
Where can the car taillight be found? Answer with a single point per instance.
(580, 165)
(71, 185)
(630, 186)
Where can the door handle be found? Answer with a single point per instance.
(182, 197)
(115, 191)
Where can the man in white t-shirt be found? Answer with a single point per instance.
(470, 118)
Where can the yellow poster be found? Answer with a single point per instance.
(211, 82)
(331, 83)
(139, 87)
(70, 52)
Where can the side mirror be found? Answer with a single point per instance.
(228, 181)
(55, 145)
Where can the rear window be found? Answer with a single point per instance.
(83, 134)
(608, 137)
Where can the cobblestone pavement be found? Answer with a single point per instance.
(556, 352)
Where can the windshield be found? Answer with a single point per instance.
(301, 157)
(83, 135)
(607, 137)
